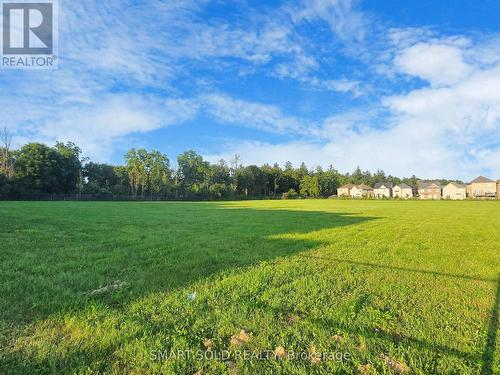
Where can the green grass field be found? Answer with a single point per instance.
(345, 286)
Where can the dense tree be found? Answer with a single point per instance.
(356, 177)
(39, 169)
(309, 186)
(219, 173)
(100, 179)
(251, 181)
(192, 174)
(157, 172)
(289, 179)
(328, 181)
(6, 156)
(69, 166)
(123, 185)
(148, 172)
(135, 171)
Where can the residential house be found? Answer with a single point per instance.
(454, 191)
(345, 191)
(402, 191)
(498, 189)
(429, 190)
(360, 191)
(481, 188)
(383, 189)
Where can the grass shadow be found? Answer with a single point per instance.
(61, 253)
(55, 255)
(488, 357)
(491, 338)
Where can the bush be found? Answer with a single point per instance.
(291, 194)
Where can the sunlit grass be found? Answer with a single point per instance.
(103, 287)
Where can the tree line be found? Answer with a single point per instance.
(36, 169)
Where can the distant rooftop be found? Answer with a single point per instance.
(364, 187)
(425, 185)
(456, 184)
(389, 185)
(481, 180)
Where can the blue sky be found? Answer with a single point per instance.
(411, 87)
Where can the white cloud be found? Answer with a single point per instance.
(260, 116)
(345, 20)
(342, 85)
(96, 127)
(450, 129)
(298, 68)
(439, 64)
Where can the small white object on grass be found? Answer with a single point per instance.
(192, 296)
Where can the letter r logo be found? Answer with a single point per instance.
(27, 28)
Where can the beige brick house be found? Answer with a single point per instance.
(383, 189)
(345, 190)
(454, 191)
(402, 191)
(429, 190)
(482, 188)
(362, 190)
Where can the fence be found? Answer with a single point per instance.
(125, 198)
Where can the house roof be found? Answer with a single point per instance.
(456, 184)
(404, 186)
(364, 187)
(389, 185)
(347, 186)
(426, 185)
(481, 180)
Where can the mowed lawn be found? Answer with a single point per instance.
(367, 286)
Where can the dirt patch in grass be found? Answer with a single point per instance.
(104, 289)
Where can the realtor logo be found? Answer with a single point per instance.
(29, 34)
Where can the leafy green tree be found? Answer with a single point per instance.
(217, 191)
(356, 177)
(122, 186)
(379, 176)
(367, 178)
(219, 173)
(192, 173)
(7, 159)
(135, 170)
(99, 179)
(251, 181)
(301, 171)
(233, 170)
(37, 169)
(270, 179)
(328, 181)
(5, 186)
(289, 179)
(69, 166)
(148, 172)
(158, 173)
(291, 194)
(276, 177)
(309, 186)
